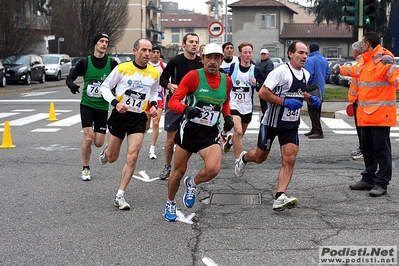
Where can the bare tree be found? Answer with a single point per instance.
(79, 20)
(20, 28)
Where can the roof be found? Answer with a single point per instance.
(260, 3)
(310, 30)
(186, 20)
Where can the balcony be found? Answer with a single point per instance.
(153, 6)
(31, 21)
(156, 28)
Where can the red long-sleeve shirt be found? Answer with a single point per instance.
(189, 84)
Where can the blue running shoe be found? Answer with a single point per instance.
(170, 211)
(189, 196)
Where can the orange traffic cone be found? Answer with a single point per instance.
(7, 141)
(52, 116)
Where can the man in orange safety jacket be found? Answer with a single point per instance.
(377, 77)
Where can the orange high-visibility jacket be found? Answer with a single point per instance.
(377, 77)
(353, 87)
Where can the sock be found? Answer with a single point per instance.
(120, 193)
(278, 194)
(152, 148)
(191, 182)
(243, 160)
(86, 167)
(171, 201)
(237, 160)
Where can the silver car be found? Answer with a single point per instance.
(346, 80)
(57, 65)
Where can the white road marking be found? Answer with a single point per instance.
(30, 94)
(72, 120)
(28, 119)
(24, 110)
(334, 123)
(144, 177)
(209, 262)
(46, 130)
(2, 115)
(183, 219)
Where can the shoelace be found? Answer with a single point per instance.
(166, 171)
(190, 192)
(171, 208)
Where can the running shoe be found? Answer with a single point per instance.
(103, 156)
(152, 155)
(227, 145)
(165, 173)
(170, 211)
(189, 196)
(283, 202)
(85, 175)
(120, 202)
(240, 165)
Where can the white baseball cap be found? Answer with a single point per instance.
(212, 48)
(264, 51)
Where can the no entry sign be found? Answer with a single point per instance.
(215, 29)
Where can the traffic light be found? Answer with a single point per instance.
(351, 12)
(369, 10)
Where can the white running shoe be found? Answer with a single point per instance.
(240, 165)
(284, 202)
(85, 175)
(120, 202)
(152, 155)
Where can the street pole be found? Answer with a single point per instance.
(360, 27)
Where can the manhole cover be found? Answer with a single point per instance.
(235, 198)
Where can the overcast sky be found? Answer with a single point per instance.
(200, 6)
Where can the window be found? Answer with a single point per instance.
(175, 38)
(332, 52)
(190, 29)
(176, 30)
(268, 21)
(273, 51)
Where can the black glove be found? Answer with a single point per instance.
(191, 112)
(75, 89)
(228, 123)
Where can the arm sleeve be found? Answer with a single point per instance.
(259, 78)
(110, 82)
(167, 73)
(187, 86)
(154, 91)
(114, 63)
(76, 72)
(226, 104)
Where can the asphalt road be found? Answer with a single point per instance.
(49, 217)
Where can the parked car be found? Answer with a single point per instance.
(346, 80)
(24, 68)
(334, 71)
(3, 79)
(57, 65)
(277, 61)
(74, 61)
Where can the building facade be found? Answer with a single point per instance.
(145, 22)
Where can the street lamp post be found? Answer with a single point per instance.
(61, 39)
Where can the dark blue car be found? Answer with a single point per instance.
(24, 68)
